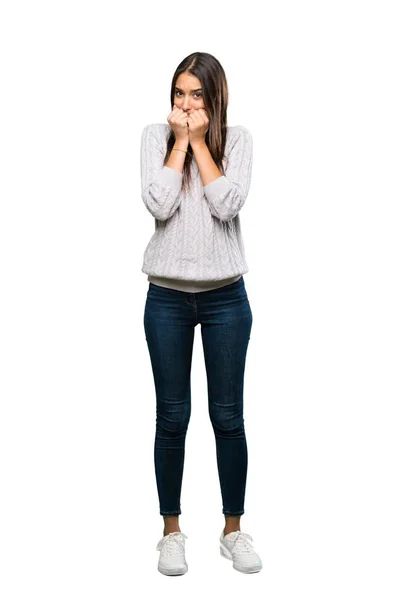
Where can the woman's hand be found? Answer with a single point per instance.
(178, 121)
(198, 125)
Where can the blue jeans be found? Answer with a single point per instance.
(226, 319)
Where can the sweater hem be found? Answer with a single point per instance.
(206, 280)
(191, 286)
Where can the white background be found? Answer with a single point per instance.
(317, 84)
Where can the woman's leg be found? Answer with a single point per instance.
(171, 524)
(169, 328)
(226, 321)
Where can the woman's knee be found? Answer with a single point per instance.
(227, 421)
(173, 416)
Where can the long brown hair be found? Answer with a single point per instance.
(209, 71)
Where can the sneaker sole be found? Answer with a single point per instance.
(175, 571)
(226, 554)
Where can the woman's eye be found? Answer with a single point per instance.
(197, 94)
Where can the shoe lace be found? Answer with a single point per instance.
(241, 545)
(173, 543)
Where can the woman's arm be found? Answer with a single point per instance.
(161, 185)
(226, 194)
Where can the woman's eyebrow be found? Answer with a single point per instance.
(198, 89)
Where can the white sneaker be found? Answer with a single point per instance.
(237, 547)
(172, 554)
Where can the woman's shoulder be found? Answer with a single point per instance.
(239, 138)
(158, 129)
(236, 131)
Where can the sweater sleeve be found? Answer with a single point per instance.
(227, 194)
(161, 185)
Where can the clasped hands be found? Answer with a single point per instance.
(198, 123)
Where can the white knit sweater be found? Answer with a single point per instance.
(197, 243)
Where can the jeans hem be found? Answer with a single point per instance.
(233, 514)
(174, 513)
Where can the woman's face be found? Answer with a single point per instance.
(188, 93)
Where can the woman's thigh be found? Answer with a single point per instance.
(169, 322)
(226, 321)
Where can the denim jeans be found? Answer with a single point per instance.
(170, 318)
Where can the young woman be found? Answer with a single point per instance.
(195, 174)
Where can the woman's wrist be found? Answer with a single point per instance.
(181, 145)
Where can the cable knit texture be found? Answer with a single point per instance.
(197, 235)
